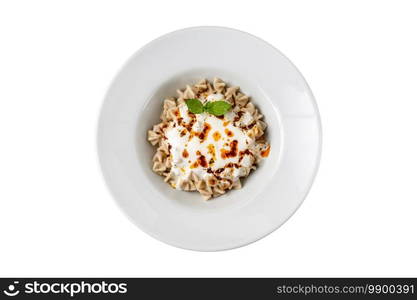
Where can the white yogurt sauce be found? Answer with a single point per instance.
(188, 148)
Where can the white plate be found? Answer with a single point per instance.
(270, 195)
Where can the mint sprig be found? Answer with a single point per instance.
(217, 108)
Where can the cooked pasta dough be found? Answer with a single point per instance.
(204, 152)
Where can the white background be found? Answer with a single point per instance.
(57, 59)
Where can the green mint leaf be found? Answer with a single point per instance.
(195, 106)
(208, 106)
(218, 108)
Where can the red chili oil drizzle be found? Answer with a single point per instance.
(203, 135)
(232, 152)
